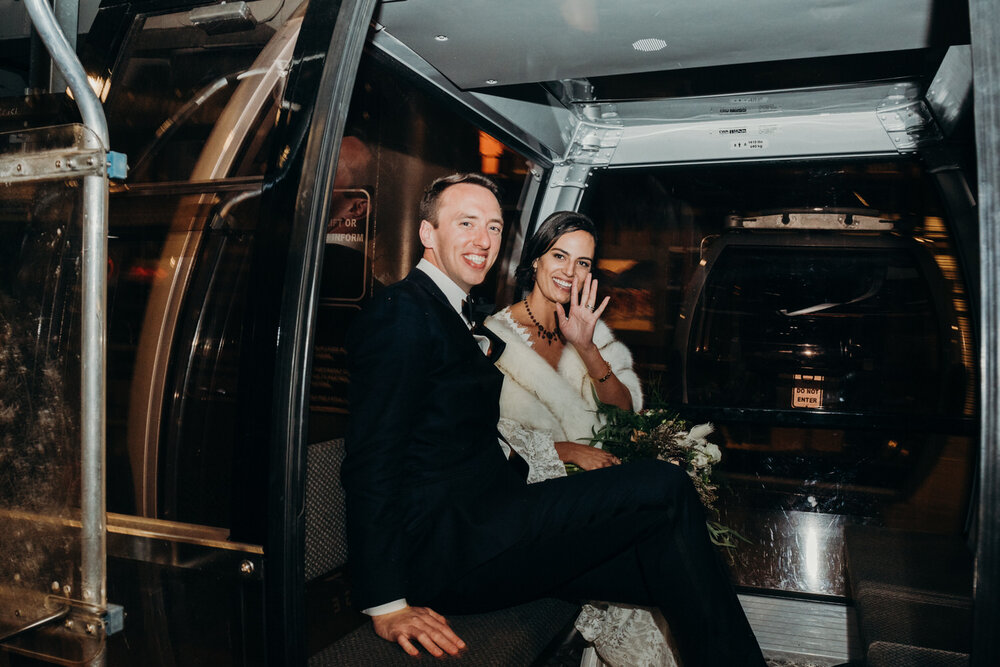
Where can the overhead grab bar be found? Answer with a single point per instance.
(94, 306)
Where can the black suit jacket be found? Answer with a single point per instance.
(424, 473)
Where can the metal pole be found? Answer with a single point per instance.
(64, 57)
(95, 253)
(67, 16)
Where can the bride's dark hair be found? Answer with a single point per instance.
(554, 226)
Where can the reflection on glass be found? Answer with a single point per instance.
(822, 357)
(40, 292)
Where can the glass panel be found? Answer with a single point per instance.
(830, 329)
(40, 290)
(185, 106)
(172, 87)
(839, 367)
(180, 347)
(398, 139)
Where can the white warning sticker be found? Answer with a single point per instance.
(748, 145)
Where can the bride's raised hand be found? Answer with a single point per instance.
(577, 324)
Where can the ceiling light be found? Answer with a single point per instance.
(649, 44)
(492, 82)
(441, 38)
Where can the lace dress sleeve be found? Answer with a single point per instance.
(536, 448)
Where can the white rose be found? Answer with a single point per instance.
(701, 431)
(713, 452)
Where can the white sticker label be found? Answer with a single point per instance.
(748, 145)
(731, 131)
(807, 397)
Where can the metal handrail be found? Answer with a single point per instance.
(93, 364)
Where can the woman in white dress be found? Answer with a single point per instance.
(559, 360)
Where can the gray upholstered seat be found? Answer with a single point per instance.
(913, 595)
(515, 636)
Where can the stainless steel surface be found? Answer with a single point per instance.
(93, 378)
(525, 40)
(792, 629)
(37, 623)
(789, 551)
(84, 157)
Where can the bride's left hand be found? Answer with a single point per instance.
(577, 326)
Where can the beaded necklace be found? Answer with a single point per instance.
(543, 333)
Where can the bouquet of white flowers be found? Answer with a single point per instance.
(661, 434)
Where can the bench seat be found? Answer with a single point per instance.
(516, 636)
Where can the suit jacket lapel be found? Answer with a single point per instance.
(423, 280)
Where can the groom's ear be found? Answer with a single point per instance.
(426, 234)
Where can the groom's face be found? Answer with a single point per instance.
(465, 240)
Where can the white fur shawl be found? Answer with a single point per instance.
(560, 402)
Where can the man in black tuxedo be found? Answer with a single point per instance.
(437, 517)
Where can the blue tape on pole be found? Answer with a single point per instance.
(117, 165)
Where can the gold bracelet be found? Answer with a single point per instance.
(606, 375)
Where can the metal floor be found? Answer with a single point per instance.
(802, 632)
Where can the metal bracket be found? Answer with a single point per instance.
(571, 91)
(569, 175)
(51, 165)
(908, 122)
(594, 144)
(89, 619)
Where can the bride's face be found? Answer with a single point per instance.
(570, 256)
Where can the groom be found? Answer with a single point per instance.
(438, 519)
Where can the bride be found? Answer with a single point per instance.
(559, 360)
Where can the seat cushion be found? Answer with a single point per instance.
(888, 654)
(326, 537)
(514, 636)
(912, 592)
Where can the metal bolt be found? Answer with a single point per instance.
(19, 166)
(68, 624)
(91, 629)
(55, 586)
(246, 567)
(67, 589)
(17, 613)
(58, 163)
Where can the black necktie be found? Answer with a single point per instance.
(475, 311)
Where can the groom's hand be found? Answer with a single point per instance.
(425, 625)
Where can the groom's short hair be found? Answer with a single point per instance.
(432, 194)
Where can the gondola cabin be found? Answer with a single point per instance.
(795, 205)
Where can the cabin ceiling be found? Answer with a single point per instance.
(480, 44)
